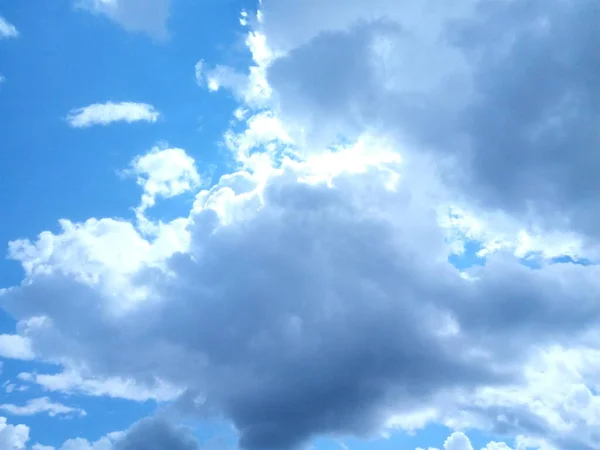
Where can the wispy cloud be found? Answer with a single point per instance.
(7, 30)
(106, 113)
(41, 405)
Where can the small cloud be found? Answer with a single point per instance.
(41, 405)
(24, 376)
(106, 113)
(164, 173)
(7, 30)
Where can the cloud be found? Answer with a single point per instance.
(41, 405)
(73, 382)
(282, 275)
(460, 441)
(154, 433)
(164, 173)
(15, 347)
(107, 113)
(158, 434)
(7, 30)
(309, 292)
(13, 437)
(506, 89)
(146, 16)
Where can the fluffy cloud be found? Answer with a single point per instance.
(41, 405)
(107, 113)
(460, 441)
(164, 173)
(7, 30)
(13, 437)
(147, 16)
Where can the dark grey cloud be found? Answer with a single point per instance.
(156, 433)
(510, 91)
(533, 127)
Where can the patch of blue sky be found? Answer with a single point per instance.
(469, 257)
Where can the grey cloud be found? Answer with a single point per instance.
(156, 433)
(510, 91)
(534, 126)
(321, 314)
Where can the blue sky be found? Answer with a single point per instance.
(284, 225)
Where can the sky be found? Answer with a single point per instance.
(284, 225)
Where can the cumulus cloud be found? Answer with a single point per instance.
(13, 437)
(7, 30)
(460, 441)
(41, 405)
(146, 16)
(107, 113)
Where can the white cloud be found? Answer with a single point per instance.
(460, 441)
(164, 173)
(107, 113)
(7, 30)
(13, 437)
(15, 347)
(73, 382)
(41, 405)
(457, 441)
(147, 16)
